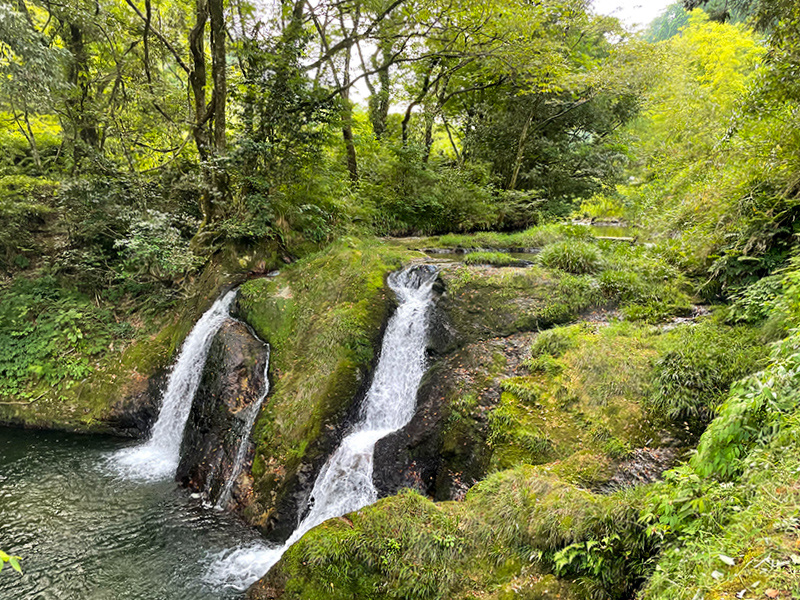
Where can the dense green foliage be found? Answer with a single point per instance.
(155, 152)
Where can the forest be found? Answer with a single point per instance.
(562, 249)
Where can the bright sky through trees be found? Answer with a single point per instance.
(632, 12)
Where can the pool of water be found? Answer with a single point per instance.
(86, 534)
(612, 231)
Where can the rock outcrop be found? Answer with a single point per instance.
(233, 383)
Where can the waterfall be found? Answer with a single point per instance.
(345, 482)
(158, 457)
(250, 415)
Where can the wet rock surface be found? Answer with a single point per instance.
(134, 413)
(443, 451)
(644, 465)
(232, 381)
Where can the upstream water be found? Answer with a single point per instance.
(87, 534)
(345, 482)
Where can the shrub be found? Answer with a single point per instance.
(692, 378)
(25, 205)
(572, 256)
(154, 248)
(50, 335)
(535, 237)
(621, 285)
(555, 342)
(659, 303)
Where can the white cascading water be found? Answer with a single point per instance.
(345, 482)
(250, 414)
(158, 457)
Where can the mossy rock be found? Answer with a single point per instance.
(586, 469)
(323, 318)
(484, 303)
(407, 546)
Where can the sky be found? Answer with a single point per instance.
(632, 12)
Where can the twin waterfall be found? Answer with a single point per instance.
(345, 482)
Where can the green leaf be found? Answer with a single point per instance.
(14, 562)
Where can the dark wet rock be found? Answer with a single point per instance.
(443, 451)
(697, 312)
(134, 413)
(643, 466)
(232, 382)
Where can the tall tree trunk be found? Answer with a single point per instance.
(349, 143)
(429, 122)
(202, 111)
(218, 73)
(343, 85)
(347, 107)
(84, 128)
(380, 100)
(520, 153)
(27, 132)
(197, 81)
(219, 178)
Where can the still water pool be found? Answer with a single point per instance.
(86, 534)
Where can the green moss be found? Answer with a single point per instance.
(504, 536)
(592, 398)
(322, 317)
(500, 303)
(585, 468)
(535, 237)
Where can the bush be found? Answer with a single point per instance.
(410, 196)
(50, 335)
(756, 301)
(622, 286)
(25, 205)
(555, 342)
(535, 237)
(572, 256)
(154, 248)
(693, 377)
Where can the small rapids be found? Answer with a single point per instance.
(345, 482)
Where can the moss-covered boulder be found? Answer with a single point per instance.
(231, 388)
(483, 303)
(323, 318)
(509, 536)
